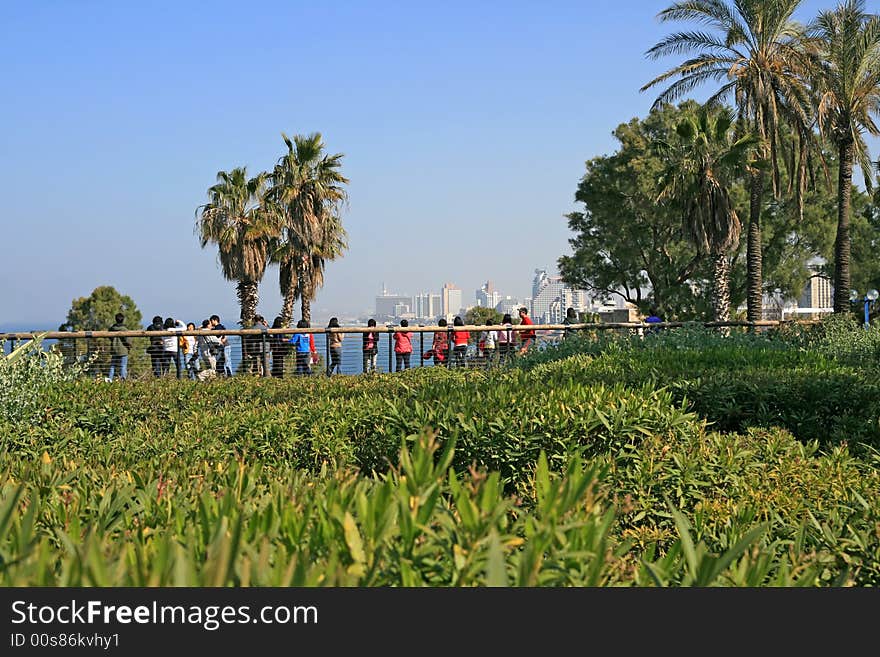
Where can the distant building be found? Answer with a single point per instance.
(817, 293)
(426, 306)
(451, 301)
(390, 306)
(509, 305)
(488, 296)
(551, 297)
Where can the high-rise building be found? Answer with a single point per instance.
(488, 296)
(817, 295)
(426, 305)
(451, 300)
(551, 297)
(545, 290)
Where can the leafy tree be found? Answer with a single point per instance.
(236, 220)
(847, 78)
(625, 244)
(703, 165)
(480, 315)
(753, 50)
(307, 193)
(97, 311)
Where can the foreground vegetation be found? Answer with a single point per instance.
(676, 460)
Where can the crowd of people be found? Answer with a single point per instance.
(208, 354)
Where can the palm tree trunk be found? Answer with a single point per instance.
(721, 287)
(302, 281)
(287, 281)
(248, 298)
(754, 256)
(842, 243)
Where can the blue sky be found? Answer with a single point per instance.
(465, 129)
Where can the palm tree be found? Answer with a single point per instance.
(755, 51)
(702, 166)
(236, 220)
(847, 80)
(306, 194)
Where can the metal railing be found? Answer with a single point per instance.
(267, 352)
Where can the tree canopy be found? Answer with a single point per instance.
(97, 311)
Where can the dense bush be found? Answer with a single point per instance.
(26, 374)
(252, 481)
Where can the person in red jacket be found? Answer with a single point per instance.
(402, 347)
(527, 338)
(460, 343)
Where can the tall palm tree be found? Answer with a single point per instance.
(307, 194)
(847, 79)
(236, 220)
(754, 50)
(702, 165)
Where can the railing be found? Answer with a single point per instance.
(255, 350)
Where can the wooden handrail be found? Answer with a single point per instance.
(78, 335)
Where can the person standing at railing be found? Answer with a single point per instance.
(224, 361)
(440, 344)
(370, 348)
(209, 348)
(402, 347)
(570, 318)
(335, 340)
(279, 347)
(460, 343)
(170, 347)
(191, 354)
(300, 342)
(119, 348)
(259, 348)
(527, 338)
(154, 349)
(487, 339)
(504, 339)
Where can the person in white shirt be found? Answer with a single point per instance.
(191, 357)
(487, 340)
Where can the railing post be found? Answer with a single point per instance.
(421, 348)
(327, 351)
(390, 348)
(449, 348)
(264, 355)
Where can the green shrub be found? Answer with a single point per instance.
(26, 375)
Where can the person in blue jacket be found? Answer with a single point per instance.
(302, 347)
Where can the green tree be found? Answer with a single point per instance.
(625, 244)
(479, 315)
(97, 312)
(307, 194)
(846, 71)
(754, 50)
(703, 165)
(237, 221)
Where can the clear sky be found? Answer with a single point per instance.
(465, 128)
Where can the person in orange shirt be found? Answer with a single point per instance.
(527, 338)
